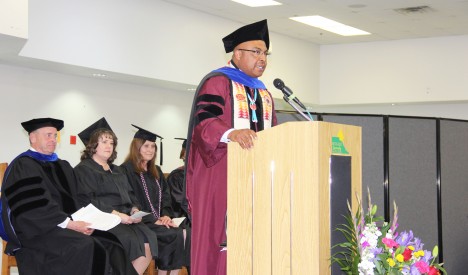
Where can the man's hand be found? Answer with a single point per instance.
(245, 137)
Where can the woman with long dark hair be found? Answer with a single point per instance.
(152, 192)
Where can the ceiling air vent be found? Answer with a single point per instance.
(412, 10)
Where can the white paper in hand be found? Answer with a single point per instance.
(98, 219)
(139, 214)
(178, 221)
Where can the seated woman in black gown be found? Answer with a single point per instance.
(176, 183)
(106, 187)
(152, 192)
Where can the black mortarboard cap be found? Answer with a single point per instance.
(34, 124)
(85, 135)
(184, 144)
(254, 31)
(147, 135)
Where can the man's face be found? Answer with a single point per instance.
(251, 57)
(44, 140)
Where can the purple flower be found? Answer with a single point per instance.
(405, 269)
(414, 270)
(394, 227)
(376, 251)
(418, 245)
(404, 238)
(427, 256)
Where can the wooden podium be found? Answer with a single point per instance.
(279, 197)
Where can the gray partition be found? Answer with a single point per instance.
(372, 155)
(413, 176)
(285, 116)
(454, 186)
(413, 171)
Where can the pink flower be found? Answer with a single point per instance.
(389, 243)
(422, 267)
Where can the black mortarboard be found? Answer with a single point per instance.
(184, 144)
(85, 135)
(254, 31)
(147, 135)
(184, 147)
(34, 124)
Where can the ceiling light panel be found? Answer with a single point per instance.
(329, 25)
(257, 3)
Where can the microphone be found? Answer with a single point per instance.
(288, 94)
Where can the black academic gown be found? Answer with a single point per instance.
(176, 183)
(172, 254)
(40, 196)
(109, 190)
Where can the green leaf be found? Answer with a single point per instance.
(374, 210)
(378, 219)
(435, 251)
(439, 267)
(348, 256)
(379, 267)
(399, 250)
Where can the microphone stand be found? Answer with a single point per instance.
(296, 108)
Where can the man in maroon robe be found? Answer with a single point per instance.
(230, 105)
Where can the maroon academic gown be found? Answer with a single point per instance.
(206, 175)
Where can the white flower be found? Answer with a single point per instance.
(370, 236)
(366, 268)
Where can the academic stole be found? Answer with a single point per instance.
(241, 106)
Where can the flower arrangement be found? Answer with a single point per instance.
(375, 247)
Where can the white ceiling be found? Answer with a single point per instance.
(442, 18)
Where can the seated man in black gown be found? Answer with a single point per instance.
(37, 201)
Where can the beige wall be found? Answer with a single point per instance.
(405, 71)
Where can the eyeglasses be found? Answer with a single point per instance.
(257, 52)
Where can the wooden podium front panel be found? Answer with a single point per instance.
(352, 141)
(276, 201)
